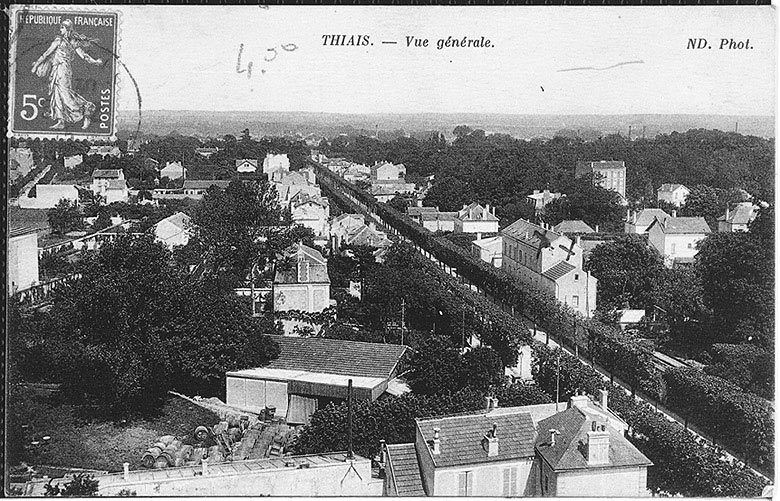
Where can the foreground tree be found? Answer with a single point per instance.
(65, 216)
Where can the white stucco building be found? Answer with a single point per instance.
(173, 230)
(675, 194)
(677, 238)
(22, 258)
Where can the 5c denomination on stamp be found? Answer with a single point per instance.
(63, 73)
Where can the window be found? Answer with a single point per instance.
(690, 245)
(673, 248)
(546, 483)
(575, 301)
(576, 276)
(464, 483)
(510, 481)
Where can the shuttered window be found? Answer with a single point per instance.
(464, 483)
(510, 481)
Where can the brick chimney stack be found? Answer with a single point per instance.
(436, 448)
(598, 445)
(492, 441)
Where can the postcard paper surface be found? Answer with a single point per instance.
(320, 251)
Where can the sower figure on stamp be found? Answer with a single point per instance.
(65, 105)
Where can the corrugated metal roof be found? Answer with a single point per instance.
(569, 450)
(462, 437)
(337, 356)
(406, 470)
(558, 270)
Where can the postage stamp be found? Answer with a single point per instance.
(63, 73)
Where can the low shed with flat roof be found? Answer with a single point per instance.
(310, 372)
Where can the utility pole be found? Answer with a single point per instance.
(557, 381)
(463, 328)
(252, 288)
(403, 318)
(350, 455)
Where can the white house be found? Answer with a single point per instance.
(273, 163)
(528, 451)
(549, 261)
(676, 238)
(673, 193)
(474, 218)
(312, 212)
(351, 229)
(301, 281)
(246, 165)
(612, 173)
(102, 177)
(173, 230)
(639, 222)
(387, 181)
(73, 161)
(173, 170)
(739, 218)
(116, 191)
(286, 192)
(489, 250)
(538, 199)
(22, 258)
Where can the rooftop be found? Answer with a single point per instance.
(558, 270)
(197, 184)
(742, 214)
(462, 436)
(18, 231)
(602, 164)
(682, 225)
(336, 356)
(106, 174)
(475, 212)
(530, 233)
(569, 451)
(179, 220)
(671, 187)
(646, 216)
(406, 470)
(250, 161)
(573, 226)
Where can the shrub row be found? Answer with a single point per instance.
(623, 355)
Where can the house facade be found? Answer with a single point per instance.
(22, 258)
(638, 222)
(49, 195)
(474, 218)
(677, 238)
(538, 199)
(675, 194)
(312, 212)
(387, 181)
(101, 178)
(549, 261)
(301, 281)
(246, 165)
(351, 229)
(612, 172)
(173, 170)
(198, 188)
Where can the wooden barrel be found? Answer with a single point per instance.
(150, 456)
(160, 445)
(201, 433)
(167, 439)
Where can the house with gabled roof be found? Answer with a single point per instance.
(639, 221)
(310, 372)
(534, 450)
(301, 280)
(286, 192)
(549, 261)
(173, 170)
(489, 249)
(673, 193)
(474, 218)
(173, 230)
(739, 218)
(246, 165)
(572, 226)
(351, 229)
(313, 212)
(677, 238)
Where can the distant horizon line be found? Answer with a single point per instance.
(453, 113)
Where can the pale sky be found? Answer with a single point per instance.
(184, 58)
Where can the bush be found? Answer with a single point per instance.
(82, 485)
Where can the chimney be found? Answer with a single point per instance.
(382, 451)
(493, 211)
(487, 209)
(577, 240)
(598, 444)
(727, 213)
(436, 448)
(579, 401)
(674, 213)
(488, 403)
(553, 432)
(603, 398)
(635, 217)
(492, 441)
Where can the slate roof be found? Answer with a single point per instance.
(17, 231)
(106, 173)
(461, 437)
(742, 214)
(436, 216)
(573, 226)
(669, 187)
(569, 451)
(406, 470)
(683, 225)
(646, 216)
(197, 184)
(117, 184)
(337, 356)
(558, 270)
(250, 161)
(537, 236)
(475, 212)
(416, 211)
